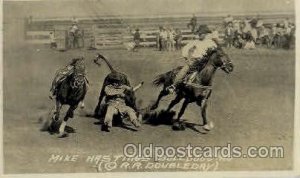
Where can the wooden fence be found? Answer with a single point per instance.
(113, 32)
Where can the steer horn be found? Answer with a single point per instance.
(138, 86)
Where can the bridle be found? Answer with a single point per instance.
(224, 64)
(78, 80)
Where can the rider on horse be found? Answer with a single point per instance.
(194, 53)
(118, 96)
(77, 64)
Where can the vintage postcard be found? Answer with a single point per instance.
(150, 88)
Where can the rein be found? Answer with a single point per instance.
(216, 66)
(195, 85)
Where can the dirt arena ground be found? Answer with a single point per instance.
(253, 106)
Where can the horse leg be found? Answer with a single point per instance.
(203, 106)
(174, 102)
(177, 124)
(102, 95)
(52, 124)
(69, 114)
(203, 111)
(163, 93)
(58, 106)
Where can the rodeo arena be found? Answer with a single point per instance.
(103, 81)
(168, 34)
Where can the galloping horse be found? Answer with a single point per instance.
(199, 90)
(70, 92)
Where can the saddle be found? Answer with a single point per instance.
(194, 70)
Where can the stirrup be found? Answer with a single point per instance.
(52, 97)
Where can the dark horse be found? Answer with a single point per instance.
(70, 92)
(199, 90)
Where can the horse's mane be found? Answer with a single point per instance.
(79, 68)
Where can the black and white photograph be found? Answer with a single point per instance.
(149, 87)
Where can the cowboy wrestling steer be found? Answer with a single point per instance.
(119, 98)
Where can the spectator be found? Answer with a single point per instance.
(287, 37)
(170, 39)
(80, 39)
(242, 27)
(136, 39)
(263, 35)
(292, 36)
(254, 35)
(73, 36)
(278, 36)
(163, 37)
(158, 39)
(253, 22)
(52, 40)
(192, 23)
(249, 41)
(239, 42)
(229, 35)
(237, 26)
(161, 42)
(273, 34)
(178, 39)
(247, 25)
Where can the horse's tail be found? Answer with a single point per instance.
(160, 79)
(166, 78)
